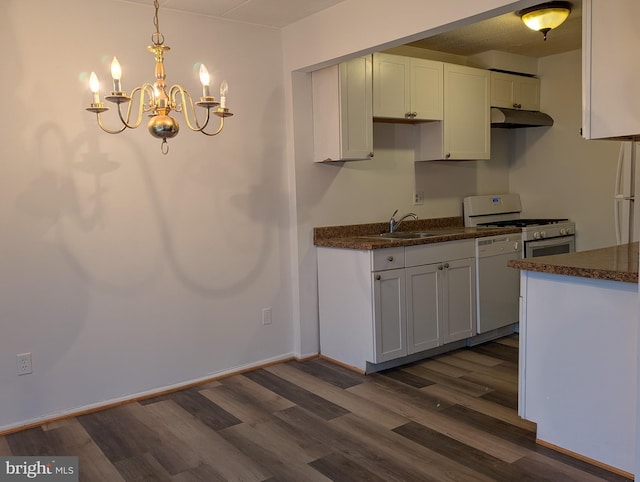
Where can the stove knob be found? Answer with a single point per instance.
(543, 234)
(536, 235)
(563, 232)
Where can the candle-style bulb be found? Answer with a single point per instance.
(94, 85)
(224, 91)
(116, 71)
(116, 74)
(205, 79)
(204, 75)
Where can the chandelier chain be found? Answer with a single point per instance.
(157, 38)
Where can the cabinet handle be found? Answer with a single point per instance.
(371, 154)
(448, 155)
(407, 115)
(446, 265)
(378, 277)
(390, 258)
(517, 106)
(414, 115)
(440, 267)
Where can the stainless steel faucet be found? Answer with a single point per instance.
(393, 224)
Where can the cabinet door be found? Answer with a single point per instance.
(390, 321)
(426, 89)
(502, 90)
(459, 304)
(342, 111)
(391, 86)
(466, 113)
(515, 91)
(424, 305)
(610, 102)
(528, 93)
(356, 122)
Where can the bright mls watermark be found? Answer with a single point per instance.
(52, 469)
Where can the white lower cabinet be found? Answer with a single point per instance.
(381, 305)
(423, 306)
(389, 313)
(441, 296)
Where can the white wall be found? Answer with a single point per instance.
(123, 270)
(556, 171)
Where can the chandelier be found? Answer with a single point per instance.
(157, 100)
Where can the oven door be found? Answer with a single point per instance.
(550, 246)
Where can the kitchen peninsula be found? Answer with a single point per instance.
(578, 361)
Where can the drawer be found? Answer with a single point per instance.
(388, 258)
(438, 252)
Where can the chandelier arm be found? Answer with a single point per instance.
(126, 120)
(109, 131)
(187, 108)
(149, 89)
(216, 132)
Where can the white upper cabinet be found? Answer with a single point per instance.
(465, 131)
(515, 91)
(342, 111)
(610, 67)
(407, 88)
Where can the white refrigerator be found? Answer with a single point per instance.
(626, 214)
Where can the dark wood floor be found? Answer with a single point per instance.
(452, 417)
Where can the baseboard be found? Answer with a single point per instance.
(96, 407)
(492, 335)
(588, 460)
(342, 364)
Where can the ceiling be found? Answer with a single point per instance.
(506, 32)
(270, 13)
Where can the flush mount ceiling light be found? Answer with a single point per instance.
(546, 16)
(157, 101)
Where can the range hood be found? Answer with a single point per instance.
(512, 118)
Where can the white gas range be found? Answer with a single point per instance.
(541, 236)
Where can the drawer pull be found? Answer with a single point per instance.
(378, 277)
(446, 265)
(390, 258)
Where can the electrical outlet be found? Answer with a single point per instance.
(418, 198)
(23, 362)
(266, 316)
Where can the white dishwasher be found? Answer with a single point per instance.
(498, 286)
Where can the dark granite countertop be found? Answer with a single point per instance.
(617, 263)
(365, 236)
